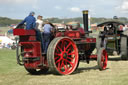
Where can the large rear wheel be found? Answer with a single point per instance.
(102, 58)
(62, 56)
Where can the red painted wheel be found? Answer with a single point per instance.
(102, 58)
(62, 56)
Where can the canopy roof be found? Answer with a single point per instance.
(110, 22)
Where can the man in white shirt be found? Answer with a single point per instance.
(39, 23)
(39, 29)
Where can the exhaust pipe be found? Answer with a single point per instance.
(85, 21)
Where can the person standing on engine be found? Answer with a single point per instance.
(46, 36)
(39, 23)
(39, 27)
(39, 30)
(30, 21)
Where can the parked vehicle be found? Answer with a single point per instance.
(113, 39)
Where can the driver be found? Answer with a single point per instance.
(109, 29)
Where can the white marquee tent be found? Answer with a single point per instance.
(6, 40)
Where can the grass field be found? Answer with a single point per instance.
(87, 74)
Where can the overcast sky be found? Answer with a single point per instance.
(19, 9)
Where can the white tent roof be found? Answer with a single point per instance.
(6, 40)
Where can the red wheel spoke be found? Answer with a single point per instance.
(56, 57)
(67, 65)
(64, 48)
(63, 45)
(68, 45)
(68, 50)
(58, 60)
(62, 64)
(69, 62)
(71, 53)
(57, 54)
(59, 48)
(58, 65)
(65, 68)
(70, 58)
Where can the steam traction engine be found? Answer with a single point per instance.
(64, 52)
(114, 39)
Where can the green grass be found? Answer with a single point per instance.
(7, 60)
(86, 74)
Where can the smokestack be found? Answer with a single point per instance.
(85, 20)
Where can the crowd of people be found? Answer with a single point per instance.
(9, 46)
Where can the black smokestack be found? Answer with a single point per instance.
(85, 20)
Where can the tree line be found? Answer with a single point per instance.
(93, 20)
(4, 21)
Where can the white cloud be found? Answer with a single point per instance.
(35, 4)
(32, 3)
(123, 6)
(58, 7)
(17, 1)
(74, 9)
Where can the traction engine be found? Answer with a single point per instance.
(64, 52)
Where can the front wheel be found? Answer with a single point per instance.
(102, 58)
(62, 56)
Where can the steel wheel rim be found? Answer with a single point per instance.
(104, 59)
(65, 56)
